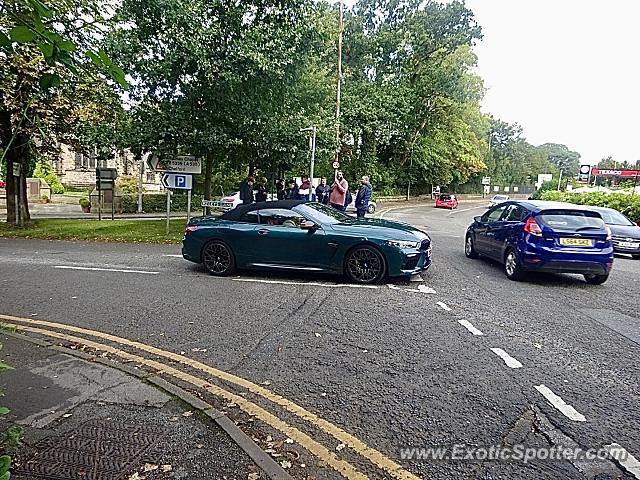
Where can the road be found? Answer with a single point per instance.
(464, 356)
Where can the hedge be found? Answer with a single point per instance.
(157, 203)
(627, 204)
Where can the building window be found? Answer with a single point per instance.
(151, 177)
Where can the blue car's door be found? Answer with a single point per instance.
(506, 229)
(485, 230)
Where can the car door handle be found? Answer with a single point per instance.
(263, 231)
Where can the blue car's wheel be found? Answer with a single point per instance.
(364, 264)
(218, 258)
(469, 247)
(512, 267)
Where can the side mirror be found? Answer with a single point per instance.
(477, 219)
(308, 225)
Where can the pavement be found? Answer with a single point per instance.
(359, 382)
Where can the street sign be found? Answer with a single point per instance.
(179, 164)
(16, 169)
(336, 165)
(106, 174)
(177, 181)
(486, 180)
(104, 184)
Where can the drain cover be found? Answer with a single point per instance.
(97, 450)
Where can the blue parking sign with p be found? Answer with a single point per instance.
(181, 181)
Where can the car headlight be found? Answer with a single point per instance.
(403, 243)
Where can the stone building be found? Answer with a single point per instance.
(78, 169)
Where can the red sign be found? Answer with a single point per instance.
(615, 173)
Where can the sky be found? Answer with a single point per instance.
(568, 71)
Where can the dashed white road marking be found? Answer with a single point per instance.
(310, 284)
(444, 306)
(557, 402)
(466, 209)
(172, 255)
(624, 458)
(425, 289)
(96, 269)
(508, 359)
(469, 326)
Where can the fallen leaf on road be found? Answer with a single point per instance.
(67, 415)
(317, 335)
(173, 419)
(187, 414)
(285, 464)
(166, 468)
(149, 467)
(537, 345)
(288, 440)
(231, 405)
(340, 447)
(323, 394)
(199, 445)
(266, 383)
(253, 476)
(198, 349)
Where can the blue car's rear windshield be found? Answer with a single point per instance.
(570, 220)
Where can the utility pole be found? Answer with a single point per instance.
(312, 146)
(339, 81)
(143, 160)
(560, 180)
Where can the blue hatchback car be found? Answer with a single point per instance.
(544, 237)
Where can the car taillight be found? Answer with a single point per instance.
(532, 227)
(608, 232)
(190, 228)
(228, 199)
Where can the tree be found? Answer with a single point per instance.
(560, 155)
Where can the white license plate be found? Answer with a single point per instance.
(628, 245)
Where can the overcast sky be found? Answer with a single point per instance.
(567, 70)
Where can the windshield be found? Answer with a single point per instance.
(445, 198)
(500, 197)
(571, 220)
(614, 218)
(321, 213)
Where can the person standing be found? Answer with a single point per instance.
(261, 194)
(322, 191)
(280, 194)
(339, 191)
(363, 197)
(291, 192)
(246, 191)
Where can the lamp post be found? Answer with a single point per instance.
(312, 146)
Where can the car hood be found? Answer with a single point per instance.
(631, 231)
(380, 228)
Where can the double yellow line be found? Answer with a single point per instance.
(347, 470)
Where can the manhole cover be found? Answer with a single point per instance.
(97, 450)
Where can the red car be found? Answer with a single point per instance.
(446, 201)
(3, 184)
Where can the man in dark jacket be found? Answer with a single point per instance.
(246, 191)
(363, 197)
(322, 191)
(291, 192)
(261, 195)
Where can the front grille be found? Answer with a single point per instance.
(411, 262)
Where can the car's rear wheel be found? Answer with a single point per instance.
(364, 265)
(469, 248)
(636, 256)
(596, 279)
(512, 267)
(371, 209)
(218, 259)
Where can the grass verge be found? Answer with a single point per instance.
(142, 231)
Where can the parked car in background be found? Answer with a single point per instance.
(540, 236)
(297, 235)
(371, 209)
(444, 200)
(497, 199)
(625, 235)
(229, 202)
(3, 184)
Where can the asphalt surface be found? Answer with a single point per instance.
(396, 366)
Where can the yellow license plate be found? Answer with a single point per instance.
(576, 242)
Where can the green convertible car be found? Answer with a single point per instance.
(297, 235)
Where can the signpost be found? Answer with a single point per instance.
(17, 170)
(486, 180)
(179, 164)
(336, 165)
(105, 180)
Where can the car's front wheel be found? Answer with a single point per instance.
(364, 265)
(596, 279)
(218, 259)
(371, 209)
(469, 248)
(512, 267)
(636, 256)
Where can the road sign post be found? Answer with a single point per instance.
(168, 209)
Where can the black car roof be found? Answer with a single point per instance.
(240, 210)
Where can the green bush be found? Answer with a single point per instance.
(626, 204)
(157, 203)
(84, 203)
(127, 184)
(544, 188)
(44, 170)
